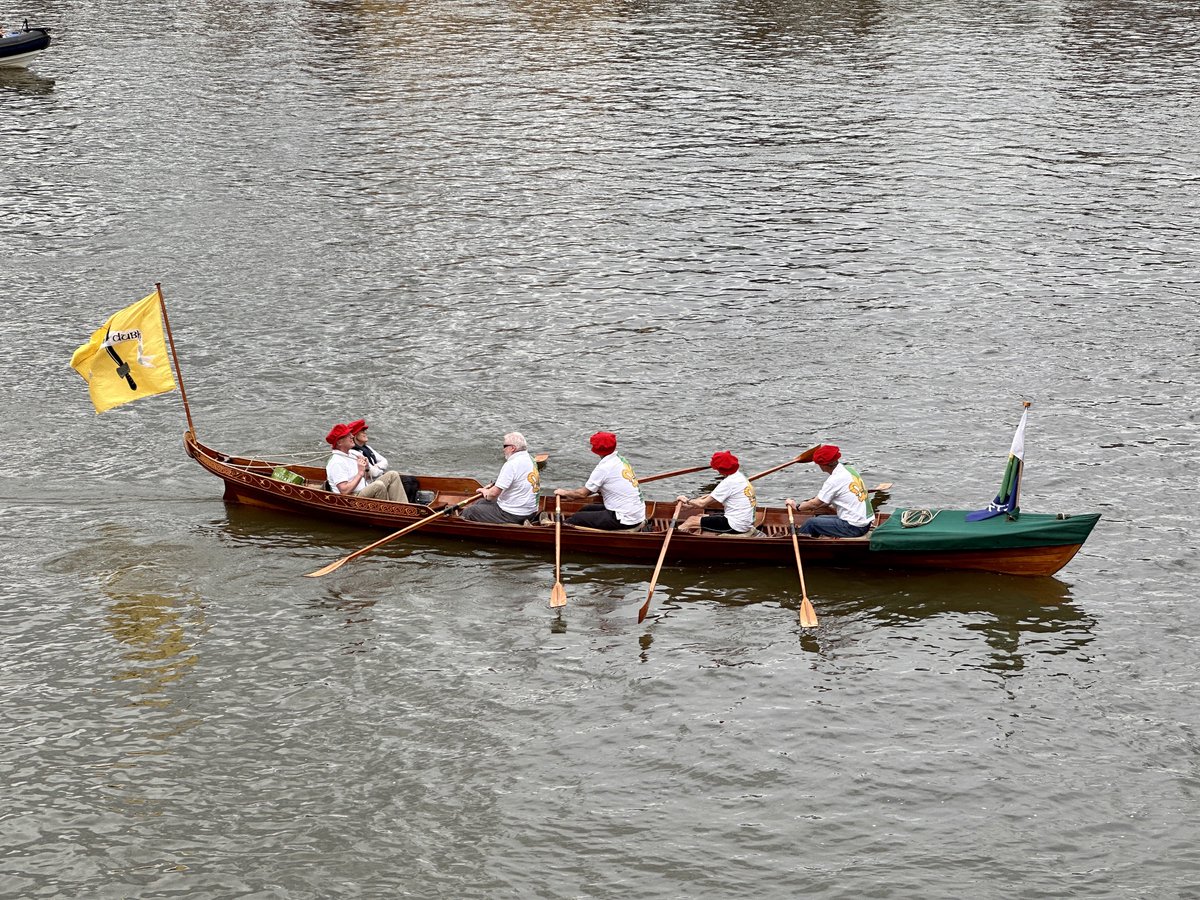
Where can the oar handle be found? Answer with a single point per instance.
(791, 518)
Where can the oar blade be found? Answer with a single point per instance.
(645, 609)
(558, 596)
(325, 570)
(391, 537)
(808, 615)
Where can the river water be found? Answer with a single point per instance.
(753, 225)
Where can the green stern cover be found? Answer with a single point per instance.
(949, 530)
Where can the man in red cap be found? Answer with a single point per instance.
(842, 507)
(377, 463)
(734, 492)
(623, 507)
(347, 474)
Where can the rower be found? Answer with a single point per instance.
(622, 508)
(842, 507)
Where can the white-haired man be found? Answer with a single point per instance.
(513, 498)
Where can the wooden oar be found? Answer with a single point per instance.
(808, 615)
(333, 566)
(661, 556)
(662, 475)
(558, 596)
(804, 457)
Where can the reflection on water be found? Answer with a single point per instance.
(249, 525)
(353, 612)
(24, 81)
(1015, 616)
(558, 625)
(155, 632)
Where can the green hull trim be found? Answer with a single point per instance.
(949, 530)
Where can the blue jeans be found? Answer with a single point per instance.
(832, 526)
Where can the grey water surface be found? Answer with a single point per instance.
(702, 225)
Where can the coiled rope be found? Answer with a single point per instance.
(914, 518)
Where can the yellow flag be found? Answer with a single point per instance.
(126, 359)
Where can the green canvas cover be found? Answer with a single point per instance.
(949, 530)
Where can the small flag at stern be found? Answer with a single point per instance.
(1010, 487)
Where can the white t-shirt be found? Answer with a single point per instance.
(847, 494)
(614, 481)
(736, 493)
(343, 467)
(519, 483)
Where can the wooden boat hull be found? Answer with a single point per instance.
(248, 481)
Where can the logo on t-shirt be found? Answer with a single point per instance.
(858, 489)
(627, 474)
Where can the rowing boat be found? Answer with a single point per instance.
(1015, 544)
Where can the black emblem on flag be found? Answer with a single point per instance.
(122, 366)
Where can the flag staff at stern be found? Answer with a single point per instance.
(1009, 497)
(113, 377)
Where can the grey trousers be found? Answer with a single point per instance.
(490, 511)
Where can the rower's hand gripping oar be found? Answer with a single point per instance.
(333, 566)
(558, 596)
(661, 556)
(808, 615)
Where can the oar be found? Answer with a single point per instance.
(804, 457)
(333, 566)
(558, 596)
(662, 475)
(808, 615)
(661, 556)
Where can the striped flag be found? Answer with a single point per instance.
(1010, 488)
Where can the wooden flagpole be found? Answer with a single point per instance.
(187, 410)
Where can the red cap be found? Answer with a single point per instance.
(724, 462)
(357, 425)
(826, 455)
(604, 443)
(337, 432)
